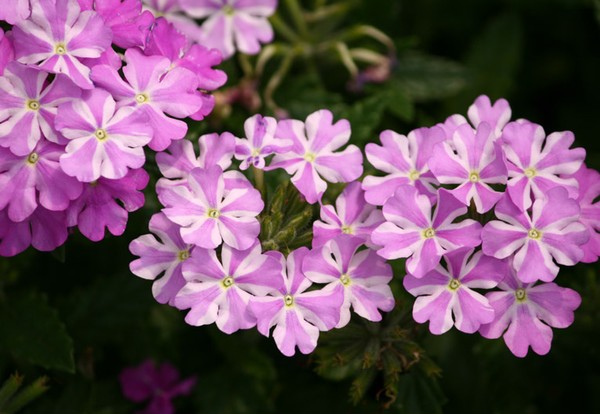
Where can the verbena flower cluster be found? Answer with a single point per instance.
(489, 205)
(484, 211)
(85, 87)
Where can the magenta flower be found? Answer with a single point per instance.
(404, 159)
(482, 110)
(589, 191)
(58, 35)
(233, 24)
(13, 11)
(28, 106)
(173, 13)
(158, 384)
(552, 231)
(445, 295)
(471, 160)
(351, 215)
(35, 179)
(104, 141)
(180, 159)
(260, 142)
(129, 25)
(536, 162)
(414, 231)
(7, 53)
(363, 274)
(312, 154)
(164, 40)
(44, 230)
(155, 90)
(219, 290)
(296, 314)
(496, 115)
(162, 253)
(105, 204)
(524, 314)
(208, 215)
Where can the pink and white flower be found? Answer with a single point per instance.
(161, 253)
(28, 106)
(589, 191)
(471, 160)
(312, 155)
(445, 295)
(219, 290)
(209, 215)
(104, 141)
(415, 231)
(35, 179)
(260, 142)
(105, 204)
(13, 11)
(537, 163)
(351, 215)
(154, 89)
(296, 314)
(363, 275)
(525, 314)
(552, 231)
(233, 24)
(404, 159)
(58, 35)
(496, 115)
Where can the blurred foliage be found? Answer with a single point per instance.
(78, 316)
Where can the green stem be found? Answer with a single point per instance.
(297, 17)
(259, 181)
(347, 60)
(278, 76)
(283, 29)
(245, 64)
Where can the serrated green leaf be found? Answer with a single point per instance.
(32, 330)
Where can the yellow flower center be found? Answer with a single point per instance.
(521, 295)
(33, 158)
(141, 98)
(530, 172)
(227, 282)
(345, 279)
(228, 9)
(474, 176)
(60, 49)
(255, 152)
(101, 134)
(309, 157)
(534, 234)
(454, 284)
(288, 300)
(428, 233)
(413, 175)
(213, 213)
(347, 229)
(183, 255)
(32, 105)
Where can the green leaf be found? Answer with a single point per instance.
(495, 55)
(419, 393)
(31, 329)
(425, 78)
(365, 116)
